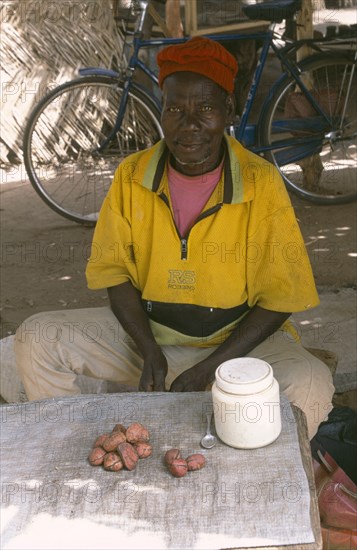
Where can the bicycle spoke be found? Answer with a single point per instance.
(64, 139)
(317, 160)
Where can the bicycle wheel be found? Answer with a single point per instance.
(316, 159)
(63, 134)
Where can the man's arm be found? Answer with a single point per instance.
(125, 302)
(255, 327)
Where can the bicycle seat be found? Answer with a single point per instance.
(270, 10)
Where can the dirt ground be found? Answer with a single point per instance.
(44, 255)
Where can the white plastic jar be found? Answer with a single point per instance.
(246, 403)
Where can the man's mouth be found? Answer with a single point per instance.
(188, 145)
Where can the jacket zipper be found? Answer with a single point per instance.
(184, 241)
(184, 249)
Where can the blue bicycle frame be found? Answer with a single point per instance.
(292, 149)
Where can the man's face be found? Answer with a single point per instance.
(195, 113)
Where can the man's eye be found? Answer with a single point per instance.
(205, 108)
(174, 109)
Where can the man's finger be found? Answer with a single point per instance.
(159, 385)
(146, 387)
(176, 386)
(159, 382)
(146, 383)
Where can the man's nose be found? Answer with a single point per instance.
(190, 120)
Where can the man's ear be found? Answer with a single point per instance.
(230, 108)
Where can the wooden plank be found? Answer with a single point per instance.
(246, 26)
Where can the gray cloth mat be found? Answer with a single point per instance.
(52, 498)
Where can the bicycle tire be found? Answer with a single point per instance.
(62, 135)
(323, 159)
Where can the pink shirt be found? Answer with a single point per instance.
(190, 194)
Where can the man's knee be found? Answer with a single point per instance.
(40, 327)
(35, 333)
(314, 396)
(307, 382)
(50, 327)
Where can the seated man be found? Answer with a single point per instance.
(202, 256)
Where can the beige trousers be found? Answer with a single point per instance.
(55, 350)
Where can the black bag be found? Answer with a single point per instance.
(338, 436)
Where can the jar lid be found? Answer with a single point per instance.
(244, 375)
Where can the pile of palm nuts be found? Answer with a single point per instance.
(178, 466)
(123, 447)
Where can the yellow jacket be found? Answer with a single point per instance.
(244, 249)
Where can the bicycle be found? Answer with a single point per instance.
(77, 134)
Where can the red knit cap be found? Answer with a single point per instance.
(202, 56)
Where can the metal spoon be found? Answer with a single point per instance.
(208, 441)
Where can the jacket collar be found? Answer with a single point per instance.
(235, 190)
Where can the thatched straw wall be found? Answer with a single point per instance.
(43, 42)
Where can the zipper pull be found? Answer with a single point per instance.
(183, 249)
(148, 306)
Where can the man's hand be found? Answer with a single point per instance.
(194, 379)
(259, 322)
(125, 301)
(154, 371)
